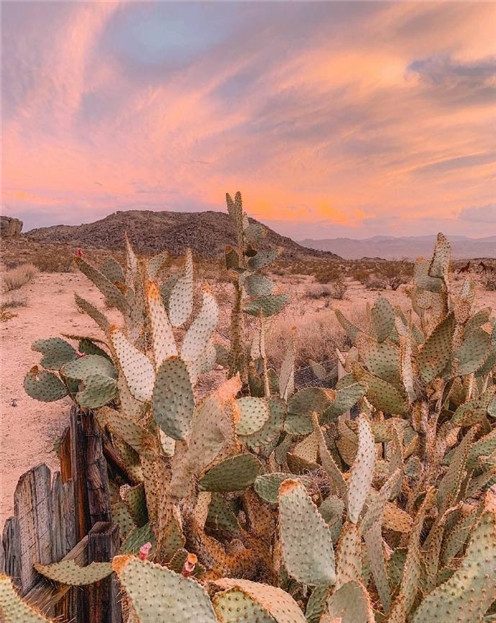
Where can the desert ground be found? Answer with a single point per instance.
(30, 429)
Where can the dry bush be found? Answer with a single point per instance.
(318, 334)
(17, 277)
(335, 290)
(49, 262)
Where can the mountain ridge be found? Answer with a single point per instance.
(403, 247)
(206, 233)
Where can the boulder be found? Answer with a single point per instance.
(10, 227)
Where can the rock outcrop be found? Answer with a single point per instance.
(10, 227)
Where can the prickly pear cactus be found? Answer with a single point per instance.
(283, 502)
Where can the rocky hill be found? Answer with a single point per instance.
(207, 233)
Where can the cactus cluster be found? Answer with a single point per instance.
(262, 503)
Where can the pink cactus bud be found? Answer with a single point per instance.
(144, 551)
(79, 252)
(189, 565)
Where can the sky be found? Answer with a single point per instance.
(332, 118)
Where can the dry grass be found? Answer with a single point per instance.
(17, 277)
(335, 290)
(318, 334)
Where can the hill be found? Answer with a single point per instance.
(409, 247)
(207, 233)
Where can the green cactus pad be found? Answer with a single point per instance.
(482, 447)
(268, 603)
(137, 368)
(173, 400)
(232, 474)
(263, 259)
(267, 305)
(471, 590)
(267, 485)
(89, 346)
(301, 406)
(94, 313)
(127, 429)
(254, 414)
(422, 279)
(180, 304)
(112, 270)
(383, 360)
(473, 411)
(68, 572)
(163, 342)
(135, 500)
(348, 326)
(345, 399)
(305, 537)
(235, 211)
(258, 285)
(136, 538)
(316, 604)
(201, 329)
(221, 516)
(267, 437)
(255, 233)
(362, 470)
(13, 609)
(44, 386)
(473, 352)
(449, 486)
(98, 390)
(351, 604)
(159, 594)
(436, 351)
(439, 265)
(82, 367)
(56, 352)
(349, 554)
(382, 315)
(381, 394)
(156, 263)
(109, 290)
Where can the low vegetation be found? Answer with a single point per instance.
(370, 501)
(15, 278)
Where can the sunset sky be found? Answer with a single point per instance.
(332, 118)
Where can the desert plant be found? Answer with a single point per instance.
(17, 277)
(289, 506)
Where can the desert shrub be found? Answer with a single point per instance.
(373, 282)
(318, 334)
(54, 263)
(17, 277)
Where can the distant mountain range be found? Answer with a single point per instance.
(206, 233)
(410, 247)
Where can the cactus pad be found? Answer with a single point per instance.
(68, 572)
(173, 401)
(159, 594)
(243, 600)
(44, 386)
(305, 537)
(232, 474)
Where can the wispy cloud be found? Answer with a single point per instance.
(361, 116)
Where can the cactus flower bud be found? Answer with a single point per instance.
(189, 565)
(144, 551)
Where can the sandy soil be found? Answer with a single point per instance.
(30, 428)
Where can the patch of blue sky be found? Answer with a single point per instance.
(169, 33)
